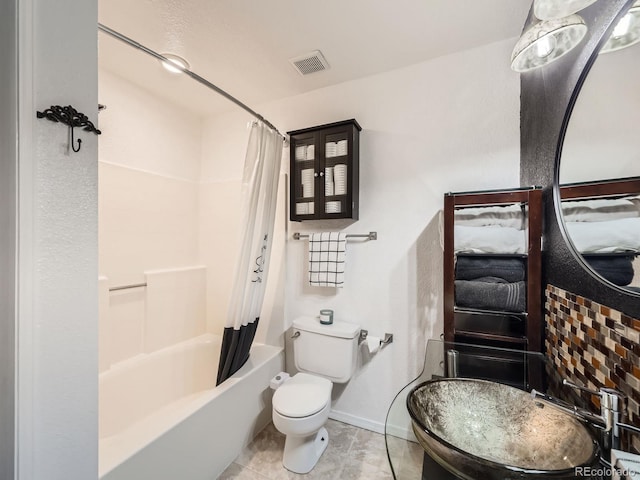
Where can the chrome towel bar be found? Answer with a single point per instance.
(368, 236)
(127, 287)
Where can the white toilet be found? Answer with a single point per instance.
(323, 354)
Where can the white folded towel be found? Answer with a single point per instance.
(326, 259)
(600, 210)
(504, 216)
(491, 239)
(606, 237)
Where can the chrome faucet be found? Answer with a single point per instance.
(610, 410)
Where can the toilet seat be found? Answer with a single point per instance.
(302, 395)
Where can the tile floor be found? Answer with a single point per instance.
(352, 454)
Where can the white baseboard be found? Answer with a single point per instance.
(400, 431)
(404, 432)
(360, 422)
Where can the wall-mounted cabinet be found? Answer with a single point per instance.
(324, 171)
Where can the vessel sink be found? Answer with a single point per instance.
(482, 430)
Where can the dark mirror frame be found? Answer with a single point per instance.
(548, 96)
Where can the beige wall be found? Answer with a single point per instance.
(450, 124)
(58, 225)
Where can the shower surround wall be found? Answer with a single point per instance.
(170, 196)
(149, 172)
(164, 223)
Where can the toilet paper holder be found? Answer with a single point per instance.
(388, 338)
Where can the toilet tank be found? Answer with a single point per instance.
(330, 351)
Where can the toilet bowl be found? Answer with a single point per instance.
(301, 407)
(323, 354)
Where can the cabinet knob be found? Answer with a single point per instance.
(322, 174)
(315, 174)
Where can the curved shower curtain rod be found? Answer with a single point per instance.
(188, 72)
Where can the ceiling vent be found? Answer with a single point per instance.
(310, 62)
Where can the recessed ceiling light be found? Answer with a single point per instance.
(174, 63)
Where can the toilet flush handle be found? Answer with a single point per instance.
(296, 334)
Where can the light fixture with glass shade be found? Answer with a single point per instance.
(550, 9)
(626, 32)
(174, 63)
(547, 41)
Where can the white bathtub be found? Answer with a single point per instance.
(162, 417)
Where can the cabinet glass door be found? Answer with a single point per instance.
(335, 173)
(305, 176)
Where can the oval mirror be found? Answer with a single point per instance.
(599, 172)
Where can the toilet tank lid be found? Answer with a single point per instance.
(336, 329)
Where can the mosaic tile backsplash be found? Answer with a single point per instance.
(594, 345)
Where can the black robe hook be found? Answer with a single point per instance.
(73, 143)
(70, 117)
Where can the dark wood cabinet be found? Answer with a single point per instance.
(505, 328)
(324, 171)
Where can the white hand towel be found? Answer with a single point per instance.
(618, 235)
(326, 259)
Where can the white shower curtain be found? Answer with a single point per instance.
(259, 197)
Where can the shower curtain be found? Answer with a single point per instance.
(259, 197)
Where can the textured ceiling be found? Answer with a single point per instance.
(243, 46)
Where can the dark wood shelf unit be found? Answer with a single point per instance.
(530, 336)
(499, 255)
(488, 312)
(462, 335)
(600, 188)
(316, 205)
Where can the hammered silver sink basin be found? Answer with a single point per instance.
(481, 430)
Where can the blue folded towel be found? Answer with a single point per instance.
(491, 293)
(618, 269)
(471, 268)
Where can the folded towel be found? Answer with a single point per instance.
(600, 210)
(503, 216)
(471, 268)
(491, 293)
(326, 259)
(492, 239)
(618, 269)
(605, 237)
